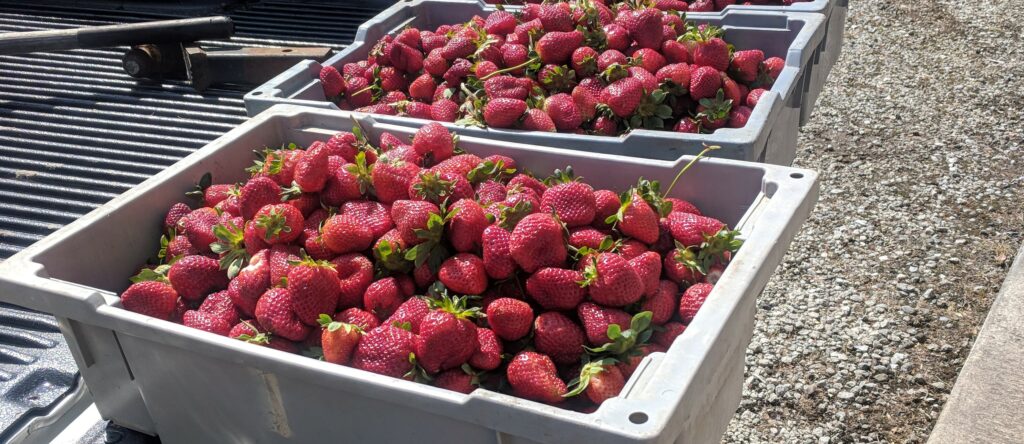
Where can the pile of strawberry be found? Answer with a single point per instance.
(683, 5)
(580, 67)
(415, 260)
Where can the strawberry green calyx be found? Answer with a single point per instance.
(308, 261)
(652, 111)
(166, 240)
(456, 305)
(158, 274)
(262, 338)
(562, 176)
(417, 373)
(510, 216)
(718, 248)
(607, 245)
(292, 192)
(700, 33)
(267, 161)
(689, 164)
(590, 274)
(329, 324)
(274, 223)
(432, 187)
(650, 192)
(686, 256)
(201, 186)
(391, 257)
(490, 170)
(716, 108)
(363, 173)
(590, 369)
(431, 251)
(615, 71)
(625, 342)
(231, 248)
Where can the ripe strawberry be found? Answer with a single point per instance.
(498, 261)
(174, 214)
(358, 317)
(514, 54)
(444, 110)
(338, 339)
(447, 337)
(490, 191)
(404, 58)
(537, 242)
(456, 380)
(631, 248)
(220, 306)
(712, 52)
(422, 88)
(194, 277)
(559, 337)
(584, 61)
(374, 215)
(251, 282)
(556, 47)
(280, 258)
(354, 272)
(606, 203)
(677, 73)
(687, 125)
(675, 52)
(648, 268)
(216, 193)
(596, 320)
(638, 220)
(434, 64)
(458, 48)
(773, 66)
(151, 298)
(745, 65)
(500, 22)
(612, 281)
(333, 83)
(410, 37)
(649, 59)
(435, 140)
(617, 37)
(691, 229)
(533, 376)
(488, 353)
(509, 318)
(311, 170)
(705, 81)
(605, 126)
(356, 92)
(754, 96)
(679, 205)
(463, 273)
(430, 41)
(344, 234)
(341, 186)
(556, 288)
(198, 228)
(668, 334)
(738, 117)
(505, 86)
(411, 312)
(677, 266)
(693, 298)
(610, 57)
(563, 112)
(721, 4)
(623, 96)
(589, 237)
(391, 179)
(484, 68)
(459, 165)
(206, 322)
(556, 17)
(383, 297)
(644, 26)
(466, 227)
(275, 314)
(662, 303)
(278, 223)
(343, 144)
(586, 102)
(180, 246)
(573, 202)
(538, 120)
(503, 113)
(460, 69)
(412, 215)
(601, 380)
(385, 350)
(314, 287)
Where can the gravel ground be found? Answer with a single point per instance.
(917, 138)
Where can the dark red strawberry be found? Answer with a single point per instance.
(510, 318)
(611, 281)
(687, 125)
(668, 334)
(458, 48)
(675, 52)
(314, 287)
(693, 298)
(464, 274)
(559, 337)
(422, 87)
(174, 214)
(514, 54)
(503, 113)
(498, 262)
(662, 304)
(712, 52)
(637, 219)
(456, 380)
(386, 350)
(680, 266)
(357, 92)
(537, 120)
(485, 68)
(489, 350)
(596, 320)
(533, 376)
(447, 336)
(341, 186)
(631, 248)
(383, 297)
(623, 96)
(601, 380)
(606, 204)
(332, 82)
(610, 57)
(556, 17)
(404, 58)
(537, 242)
(677, 73)
(555, 48)
(338, 340)
(311, 170)
(275, 314)
(584, 61)
(151, 298)
(644, 26)
(745, 64)
(457, 73)
(358, 317)
(505, 86)
(355, 272)
(194, 277)
(589, 237)
(556, 288)
(754, 96)
(344, 234)
(251, 282)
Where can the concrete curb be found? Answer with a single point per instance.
(987, 402)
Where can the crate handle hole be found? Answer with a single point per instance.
(286, 50)
(257, 93)
(797, 175)
(638, 417)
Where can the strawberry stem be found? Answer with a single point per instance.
(688, 165)
(513, 68)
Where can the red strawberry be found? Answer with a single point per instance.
(721, 4)
(311, 170)
(463, 273)
(773, 66)
(661, 304)
(216, 193)
(731, 89)
(508, 87)
(422, 87)
(466, 227)
(556, 288)
(444, 110)
(601, 380)
(174, 214)
(252, 239)
(687, 125)
(610, 57)
(533, 376)
(623, 96)
(206, 321)
(617, 37)
(280, 258)
(648, 267)
(194, 277)
(180, 246)
(704, 82)
(484, 68)
(498, 262)
(589, 237)
(435, 140)
(573, 203)
(411, 312)
(456, 380)
(514, 54)
(344, 145)
(556, 47)
(563, 112)
(338, 339)
(649, 59)
(374, 215)
(251, 282)
(331, 80)
(691, 229)
(675, 52)
(584, 61)
(439, 187)
(278, 223)
(357, 93)
(410, 37)
(605, 126)
(644, 26)
(712, 52)
(458, 48)
(679, 205)
(358, 317)
(274, 312)
(198, 227)
(391, 179)
(404, 58)
(586, 102)
(434, 64)
(500, 22)
(488, 353)
(693, 298)
(631, 248)
(503, 113)
(668, 334)
(341, 186)
(151, 298)
(412, 215)
(538, 120)
(596, 320)
(638, 220)
(447, 337)
(430, 41)
(612, 281)
(556, 17)
(745, 64)
(385, 350)
(491, 191)
(459, 165)
(344, 234)
(754, 96)
(537, 242)
(383, 297)
(738, 117)
(676, 266)
(509, 318)
(459, 70)
(677, 73)
(355, 272)
(559, 337)
(314, 287)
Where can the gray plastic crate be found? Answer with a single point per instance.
(191, 386)
(830, 48)
(769, 136)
